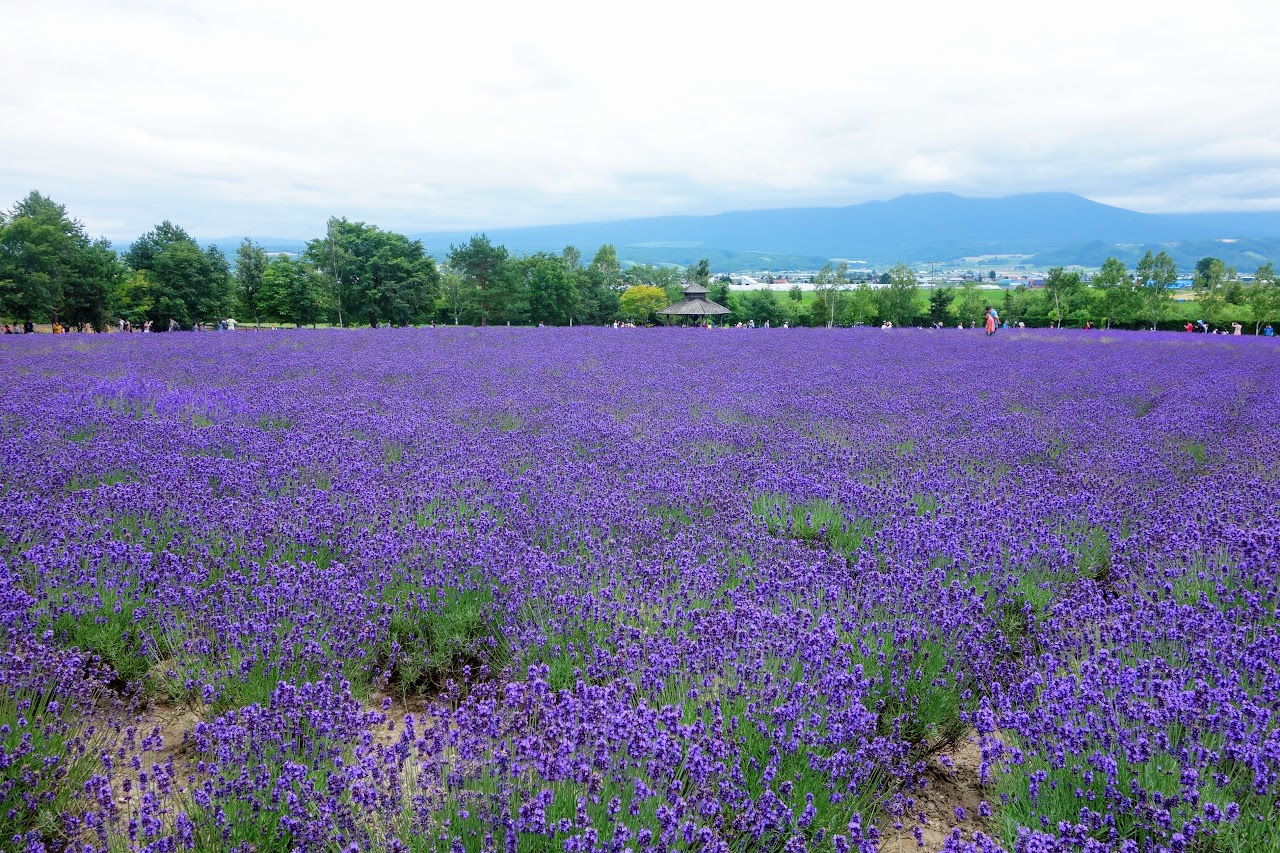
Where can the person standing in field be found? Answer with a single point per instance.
(991, 320)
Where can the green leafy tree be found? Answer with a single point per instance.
(763, 305)
(50, 268)
(37, 242)
(1120, 301)
(379, 275)
(456, 294)
(1204, 269)
(1032, 306)
(292, 292)
(401, 282)
(720, 294)
(940, 304)
(132, 297)
(1214, 282)
(795, 313)
(600, 286)
(495, 283)
(549, 282)
(699, 273)
(860, 307)
(187, 284)
(1263, 296)
(334, 255)
(251, 263)
(794, 293)
(1155, 274)
(968, 304)
(639, 302)
(571, 256)
(831, 283)
(898, 300)
(1064, 291)
(86, 294)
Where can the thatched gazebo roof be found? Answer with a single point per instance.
(695, 304)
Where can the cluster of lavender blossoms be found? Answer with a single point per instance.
(638, 590)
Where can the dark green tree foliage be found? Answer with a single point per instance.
(49, 269)
(291, 292)
(599, 287)
(1205, 269)
(495, 282)
(861, 308)
(1218, 287)
(720, 294)
(87, 296)
(332, 256)
(184, 282)
(898, 299)
(699, 273)
(251, 263)
(762, 305)
(549, 282)
(401, 282)
(377, 275)
(940, 304)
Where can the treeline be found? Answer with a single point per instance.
(1114, 297)
(358, 274)
(1142, 298)
(355, 274)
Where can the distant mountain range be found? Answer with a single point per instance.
(1048, 228)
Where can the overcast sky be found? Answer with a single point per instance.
(265, 117)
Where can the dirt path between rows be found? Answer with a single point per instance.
(951, 783)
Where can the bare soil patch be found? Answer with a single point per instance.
(951, 782)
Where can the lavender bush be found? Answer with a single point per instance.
(638, 589)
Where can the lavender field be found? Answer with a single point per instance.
(640, 589)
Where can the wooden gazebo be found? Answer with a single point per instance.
(695, 305)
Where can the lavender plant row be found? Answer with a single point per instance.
(646, 590)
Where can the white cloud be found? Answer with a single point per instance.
(266, 117)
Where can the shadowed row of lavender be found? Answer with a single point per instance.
(641, 589)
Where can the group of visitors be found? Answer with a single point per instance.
(1236, 329)
(992, 320)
